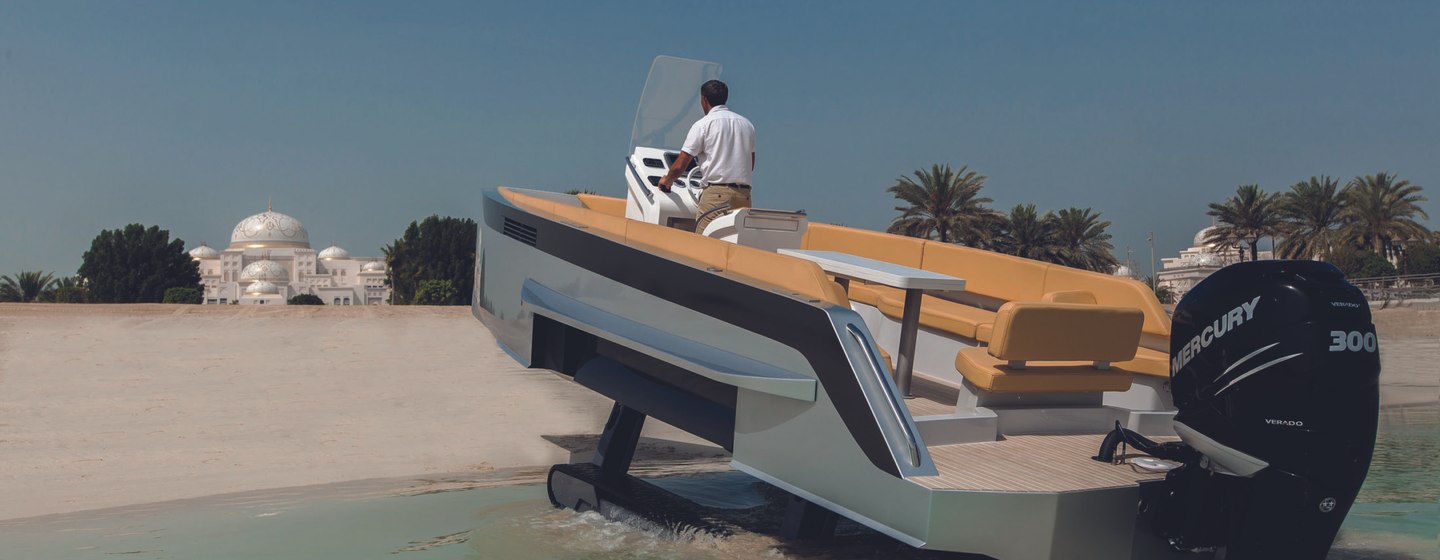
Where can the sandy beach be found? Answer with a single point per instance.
(109, 406)
(112, 405)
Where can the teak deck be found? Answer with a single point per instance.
(1021, 463)
(1035, 463)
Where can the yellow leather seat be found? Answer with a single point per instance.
(603, 204)
(870, 294)
(897, 249)
(593, 220)
(994, 275)
(939, 314)
(1149, 362)
(1075, 345)
(781, 272)
(678, 245)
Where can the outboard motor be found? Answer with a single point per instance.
(1275, 371)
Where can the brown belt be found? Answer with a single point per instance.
(735, 185)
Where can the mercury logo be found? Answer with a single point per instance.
(1216, 329)
(1327, 505)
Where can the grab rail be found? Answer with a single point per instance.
(639, 180)
(890, 395)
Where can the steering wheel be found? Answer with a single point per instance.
(692, 179)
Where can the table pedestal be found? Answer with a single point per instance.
(909, 324)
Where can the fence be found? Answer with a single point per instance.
(1388, 291)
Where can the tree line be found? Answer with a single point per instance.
(432, 263)
(1364, 227)
(946, 205)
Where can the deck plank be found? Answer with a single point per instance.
(1029, 463)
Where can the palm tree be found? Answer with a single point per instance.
(1163, 292)
(26, 286)
(1247, 217)
(943, 204)
(1081, 240)
(1028, 234)
(1311, 210)
(1380, 212)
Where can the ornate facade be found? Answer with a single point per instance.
(1183, 272)
(269, 260)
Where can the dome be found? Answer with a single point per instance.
(1201, 235)
(373, 266)
(262, 288)
(334, 252)
(264, 270)
(204, 252)
(269, 229)
(1123, 270)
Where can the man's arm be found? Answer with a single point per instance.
(680, 164)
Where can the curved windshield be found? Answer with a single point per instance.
(670, 102)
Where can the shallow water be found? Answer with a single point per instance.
(1397, 518)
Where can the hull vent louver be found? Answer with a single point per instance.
(519, 232)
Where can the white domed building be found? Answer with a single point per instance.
(1194, 264)
(269, 261)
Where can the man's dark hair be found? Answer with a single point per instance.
(716, 92)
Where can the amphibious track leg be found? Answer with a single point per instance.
(807, 521)
(617, 443)
(603, 481)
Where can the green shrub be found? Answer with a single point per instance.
(1422, 259)
(435, 292)
(306, 299)
(1357, 263)
(70, 294)
(183, 295)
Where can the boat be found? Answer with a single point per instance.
(1055, 413)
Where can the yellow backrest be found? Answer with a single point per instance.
(1069, 296)
(677, 244)
(986, 273)
(603, 204)
(897, 249)
(597, 221)
(1065, 331)
(1112, 290)
(531, 203)
(786, 274)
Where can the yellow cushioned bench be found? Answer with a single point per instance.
(940, 314)
(603, 204)
(897, 249)
(1073, 343)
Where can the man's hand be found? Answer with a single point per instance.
(681, 162)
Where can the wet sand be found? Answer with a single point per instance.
(111, 406)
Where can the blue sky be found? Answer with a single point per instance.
(360, 117)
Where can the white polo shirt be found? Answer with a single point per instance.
(723, 142)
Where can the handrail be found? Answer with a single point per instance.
(890, 395)
(640, 180)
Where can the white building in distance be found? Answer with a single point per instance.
(269, 260)
(1194, 264)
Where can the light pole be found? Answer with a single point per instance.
(1154, 280)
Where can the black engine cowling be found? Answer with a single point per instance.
(1275, 372)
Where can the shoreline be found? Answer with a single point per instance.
(116, 406)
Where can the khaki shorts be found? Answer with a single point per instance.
(716, 200)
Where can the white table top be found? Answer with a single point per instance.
(880, 272)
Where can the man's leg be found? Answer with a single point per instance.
(716, 201)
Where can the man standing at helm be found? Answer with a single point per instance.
(723, 142)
